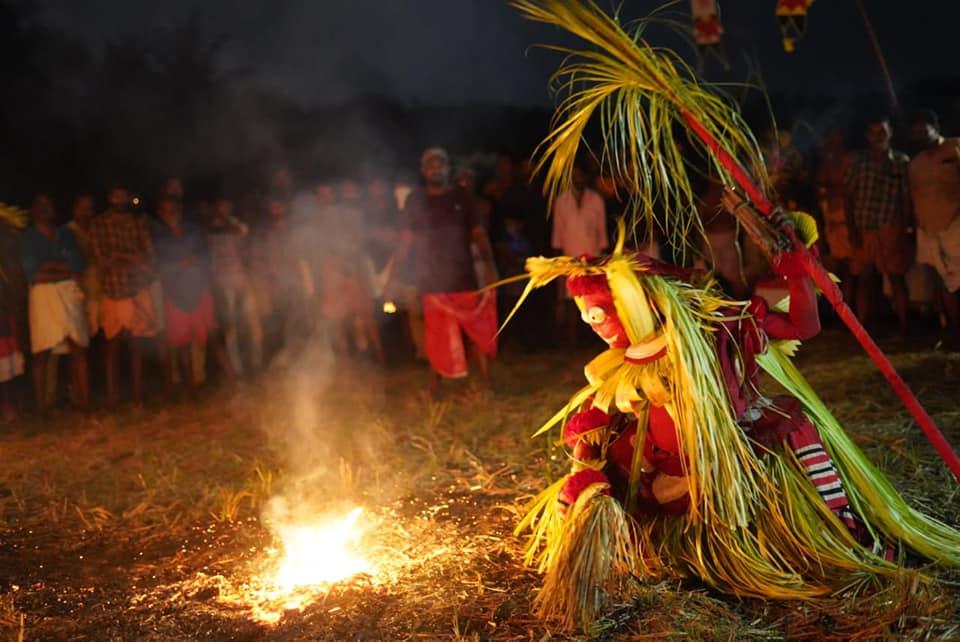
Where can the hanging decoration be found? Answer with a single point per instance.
(707, 29)
(792, 15)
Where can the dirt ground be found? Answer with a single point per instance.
(149, 524)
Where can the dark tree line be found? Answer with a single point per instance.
(77, 117)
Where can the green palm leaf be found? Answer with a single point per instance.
(644, 98)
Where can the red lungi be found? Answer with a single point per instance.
(445, 316)
(185, 327)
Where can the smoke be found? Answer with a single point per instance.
(326, 407)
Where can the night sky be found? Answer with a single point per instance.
(452, 51)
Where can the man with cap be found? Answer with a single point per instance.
(935, 187)
(439, 224)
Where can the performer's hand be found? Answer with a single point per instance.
(767, 237)
(579, 482)
(781, 222)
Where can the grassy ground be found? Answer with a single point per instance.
(149, 524)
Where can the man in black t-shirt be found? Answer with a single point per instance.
(438, 226)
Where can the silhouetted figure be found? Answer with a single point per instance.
(935, 187)
(53, 263)
(184, 268)
(439, 227)
(121, 242)
(879, 219)
(234, 297)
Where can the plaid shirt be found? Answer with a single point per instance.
(878, 189)
(125, 233)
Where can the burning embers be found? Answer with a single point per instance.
(312, 558)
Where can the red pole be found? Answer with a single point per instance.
(833, 294)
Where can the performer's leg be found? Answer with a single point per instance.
(806, 443)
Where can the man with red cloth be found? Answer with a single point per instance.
(439, 225)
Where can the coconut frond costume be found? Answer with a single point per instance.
(655, 116)
(681, 467)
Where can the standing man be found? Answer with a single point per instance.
(82, 217)
(879, 220)
(579, 227)
(344, 267)
(579, 219)
(53, 263)
(121, 243)
(935, 186)
(183, 264)
(439, 226)
(234, 296)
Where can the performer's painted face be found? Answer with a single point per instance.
(597, 310)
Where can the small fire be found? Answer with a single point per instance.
(320, 554)
(312, 558)
(389, 307)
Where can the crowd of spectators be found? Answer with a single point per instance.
(242, 280)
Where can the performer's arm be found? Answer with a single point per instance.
(803, 320)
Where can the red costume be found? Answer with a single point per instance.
(594, 435)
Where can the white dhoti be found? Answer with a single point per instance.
(942, 251)
(57, 313)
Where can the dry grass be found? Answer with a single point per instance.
(141, 525)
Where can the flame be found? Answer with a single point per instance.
(389, 307)
(313, 557)
(320, 554)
